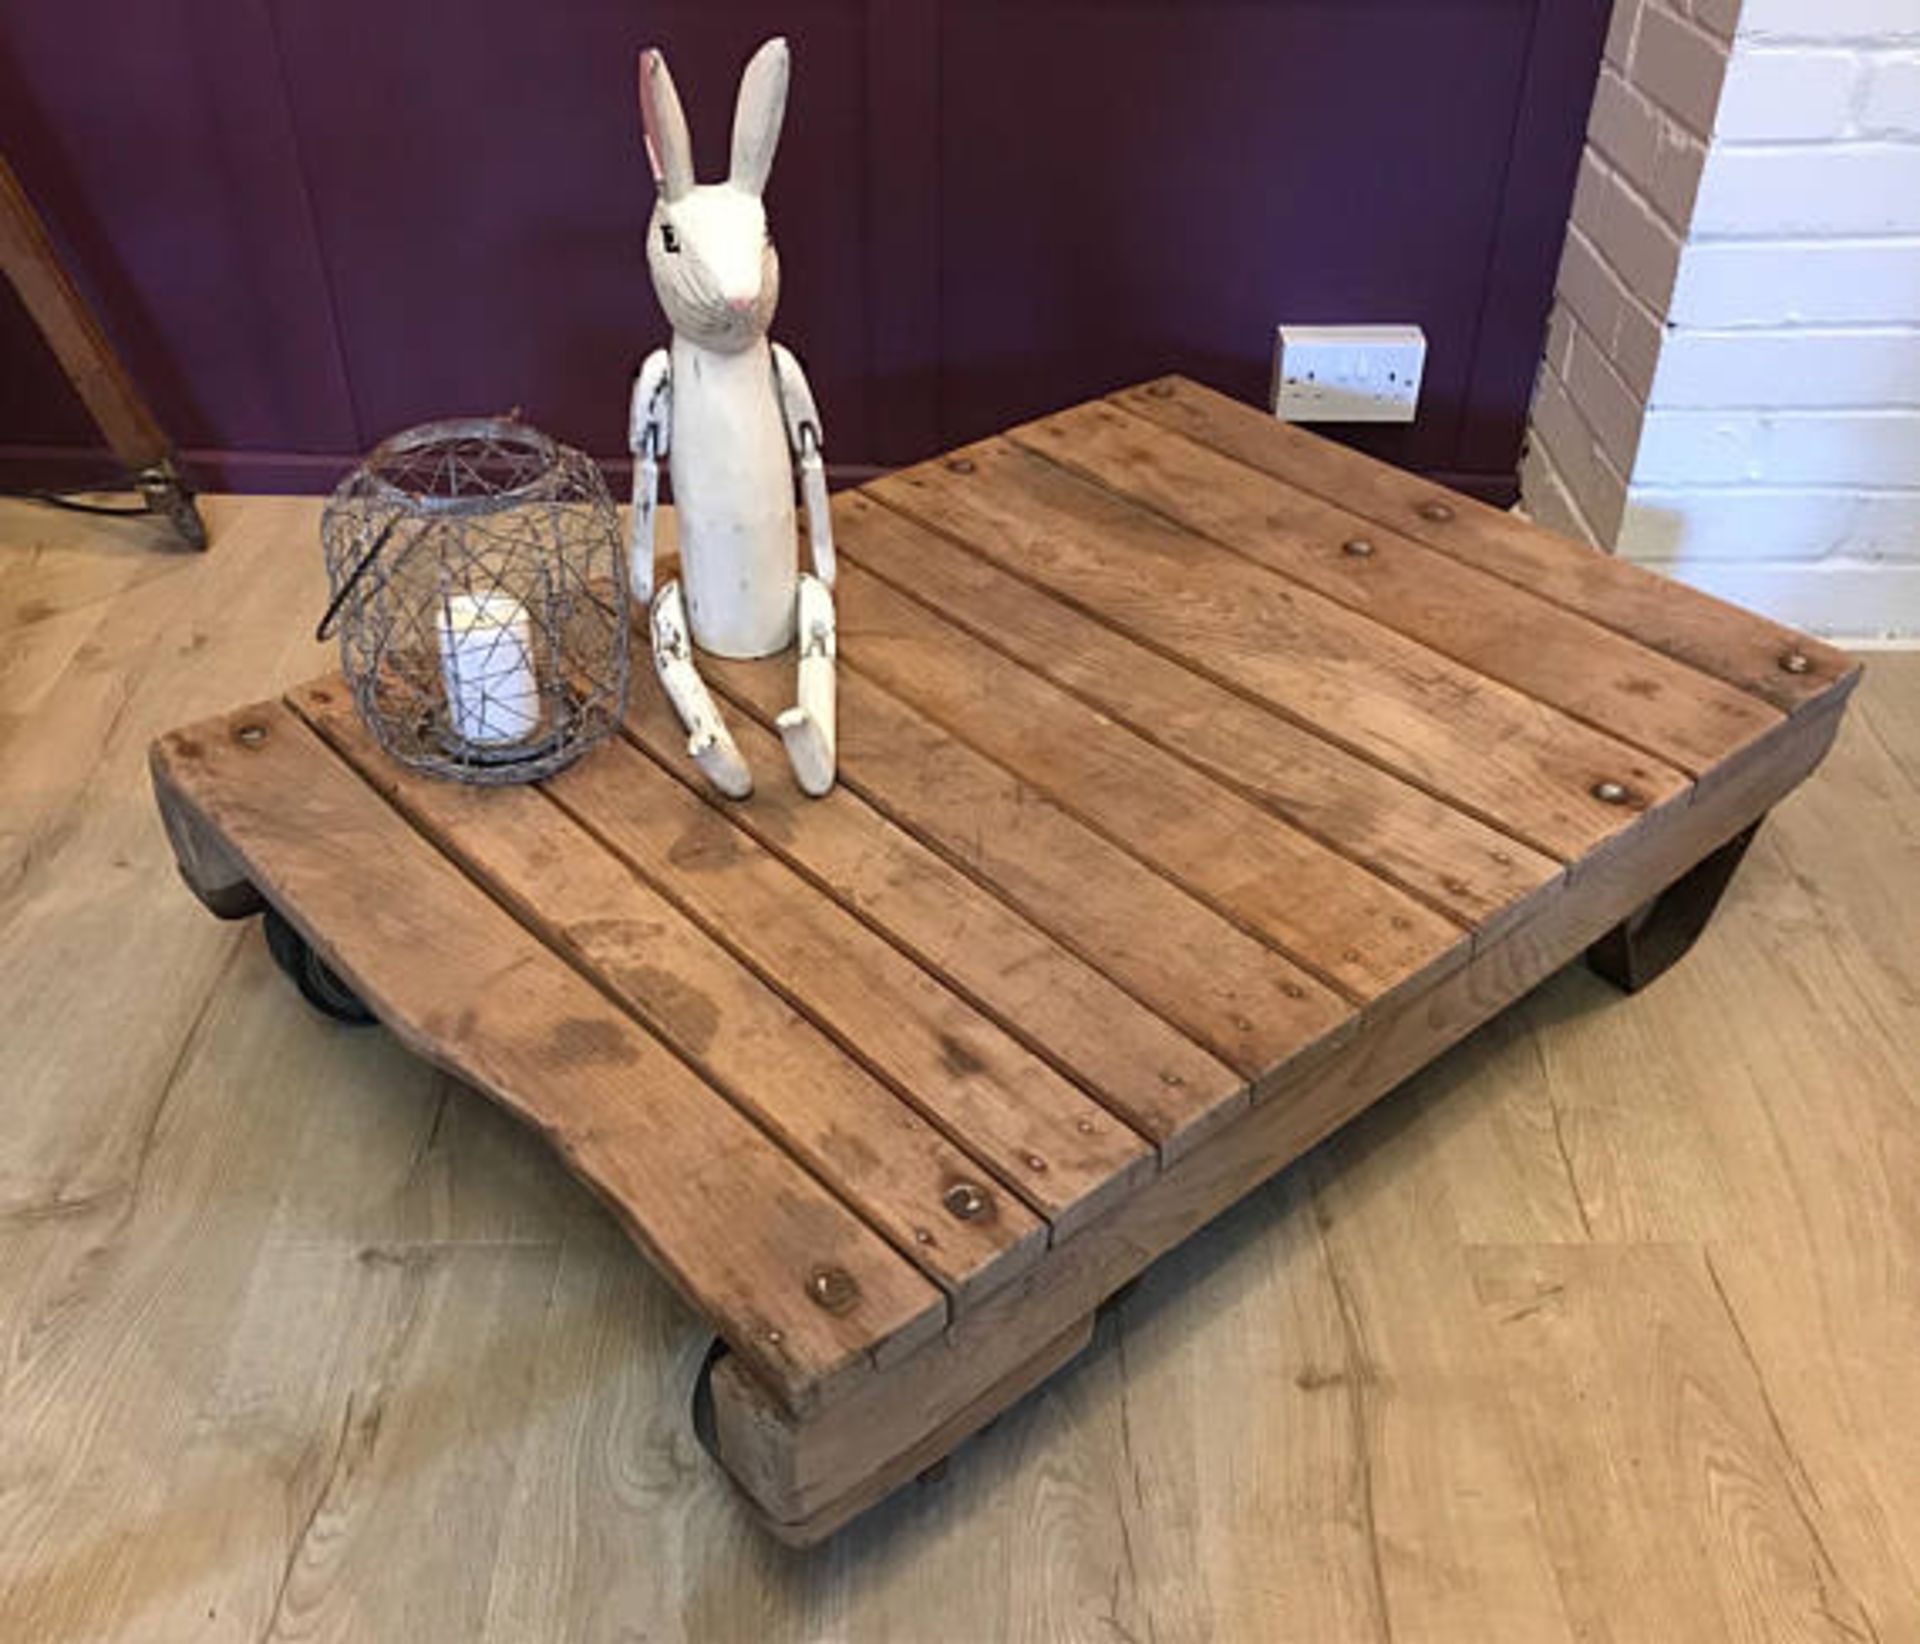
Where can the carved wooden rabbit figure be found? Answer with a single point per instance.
(734, 417)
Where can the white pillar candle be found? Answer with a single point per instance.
(486, 660)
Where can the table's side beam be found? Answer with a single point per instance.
(808, 1476)
(936, 1204)
(1528, 769)
(1706, 633)
(1060, 1007)
(1670, 710)
(1460, 866)
(798, 1285)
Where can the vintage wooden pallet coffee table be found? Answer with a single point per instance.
(1201, 780)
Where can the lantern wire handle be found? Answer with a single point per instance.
(325, 629)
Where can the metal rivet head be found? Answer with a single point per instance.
(923, 1235)
(961, 465)
(773, 1338)
(1438, 512)
(1161, 390)
(1084, 1126)
(1035, 1162)
(251, 735)
(964, 1202)
(1357, 548)
(1796, 662)
(833, 1288)
(1610, 792)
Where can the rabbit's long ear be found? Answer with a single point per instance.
(669, 148)
(757, 114)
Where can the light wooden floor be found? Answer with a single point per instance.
(1606, 1328)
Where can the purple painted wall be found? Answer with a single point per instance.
(308, 225)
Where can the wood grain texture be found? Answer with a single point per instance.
(1676, 713)
(718, 1207)
(1695, 628)
(302, 1342)
(1320, 909)
(1252, 1007)
(1061, 1008)
(1484, 747)
(1463, 867)
(1045, 1138)
(846, 1126)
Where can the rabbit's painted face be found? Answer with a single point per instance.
(714, 267)
(708, 247)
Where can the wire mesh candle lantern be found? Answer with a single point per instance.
(480, 592)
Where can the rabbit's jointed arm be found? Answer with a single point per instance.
(649, 433)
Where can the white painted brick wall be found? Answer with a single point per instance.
(1731, 385)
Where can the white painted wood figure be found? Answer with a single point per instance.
(733, 415)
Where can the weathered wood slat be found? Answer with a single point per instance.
(1477, 874)
(1494, 751)
(1329, 914)
(1063, 1009)
(741, 1228)
(1675, 712)
(1706, 633)
(844, 1124)
(1056, 1147)
(1249, 1005)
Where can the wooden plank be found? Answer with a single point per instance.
(1695, 628)
(1328, 914)
(1473, 872)
(1523, 766)
(1677, 713)
(1158, 1080)
(728, 1217)
(846, 1126)
(1254, 1009)
(1056, 1147)
(809, 1459)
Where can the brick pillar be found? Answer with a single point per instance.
(1731, 384)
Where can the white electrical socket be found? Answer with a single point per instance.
(1348, 373)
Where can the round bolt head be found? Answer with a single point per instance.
(1438, 512)
(1796, 662)
(833, 1288)
(964, 1201)
(251, 735)
(1357, 547)
(961, 465)
(1609, 792)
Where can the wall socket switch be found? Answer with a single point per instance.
(1348, 373)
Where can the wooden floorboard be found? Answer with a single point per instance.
(1603, 1327)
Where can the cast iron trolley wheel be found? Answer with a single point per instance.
(317, 981)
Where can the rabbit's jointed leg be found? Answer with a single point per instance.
(808, 728)
(709, 743)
